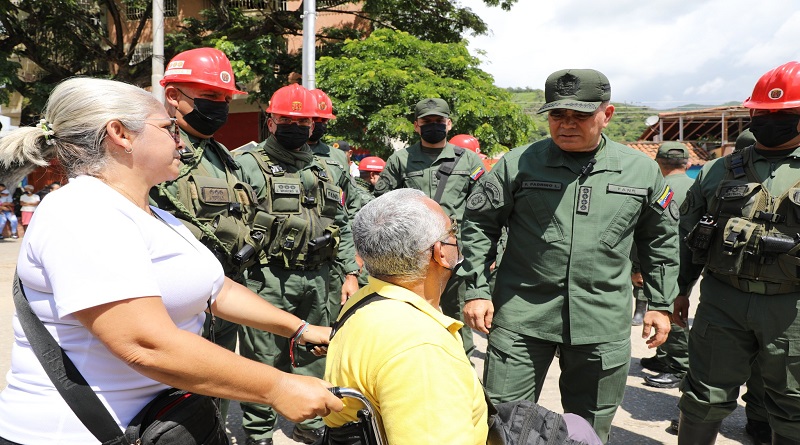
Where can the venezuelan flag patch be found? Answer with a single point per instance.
(342, 197)
(477, 173)
(665, 198)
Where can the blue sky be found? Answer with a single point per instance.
(658, 53)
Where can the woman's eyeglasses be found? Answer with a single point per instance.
(172, 129)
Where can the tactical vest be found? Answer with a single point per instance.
(221, 213)
(302, 207)
(756, 236)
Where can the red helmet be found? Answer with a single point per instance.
(371, 164)
(207, 66)
(293, 100)
(324, 104)
(779, 88)
(467, 141)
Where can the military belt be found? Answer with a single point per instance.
(756, 287)
(295, 266)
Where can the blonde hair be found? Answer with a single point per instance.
(74, 121)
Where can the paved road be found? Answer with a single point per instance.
(643, 418)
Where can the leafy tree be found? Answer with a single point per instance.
(65, 38)
(376, 83)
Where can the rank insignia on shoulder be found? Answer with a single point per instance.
(665, 198)
(477, 173)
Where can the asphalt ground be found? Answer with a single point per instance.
(643, 418)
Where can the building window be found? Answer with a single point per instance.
(272, 5)
(134, 10)
(140, 53)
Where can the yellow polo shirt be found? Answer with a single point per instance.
(405, 356)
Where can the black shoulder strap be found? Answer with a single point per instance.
(443, 174)
(65, 376)
(349, 313)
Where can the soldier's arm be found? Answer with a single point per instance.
(391, 176)
(487, 209)
(656, 238)
(251, 173)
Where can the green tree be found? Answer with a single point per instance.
(66, 38)
(376, 82)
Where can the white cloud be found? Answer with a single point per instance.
(662, 53)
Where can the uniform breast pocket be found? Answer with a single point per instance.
(331, 199)
(210, 196)
(544, 224)
(414, 180)
(622, 217)
(285, 195)
(739, 198)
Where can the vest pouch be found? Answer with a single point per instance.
(331, 199)
(289, 245)
(232, 233)
(732, 245)
(329, 248)
(792, 207)
(285, 195)
(211, 196)
(739, 198)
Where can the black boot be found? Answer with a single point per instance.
(697, 433)
(780, 440)
(638, 314)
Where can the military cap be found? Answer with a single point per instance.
(578, 90)
(342, 145)
(679, 151)
(435, 106)
(745, 139)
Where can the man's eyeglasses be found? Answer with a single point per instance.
(172, 128)
(454, 233)
(303, 122)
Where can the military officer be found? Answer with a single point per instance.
(573, 205)
(445, 173)
(742, 216)
(211, 195)
(309, 231)
(338, 165)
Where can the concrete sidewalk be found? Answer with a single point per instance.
(643, 418)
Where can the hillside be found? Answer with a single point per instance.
(626, 126)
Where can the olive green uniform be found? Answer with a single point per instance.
(748, 310)
(416, 167)
(289, 276)
(565, 277)
(674, 353)
(337, 163)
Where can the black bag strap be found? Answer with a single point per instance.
(65, 376)
(445, 170)
(352, 310)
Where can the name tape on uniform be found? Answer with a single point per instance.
(541, 185)
(286, 189)
(624, 190)
(214, 194)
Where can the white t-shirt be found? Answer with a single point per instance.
(75, 255)
(33, 198)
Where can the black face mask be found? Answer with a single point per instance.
(775, 129)
(291, 136)
(208, 116)
(433, 133)
(319, 130)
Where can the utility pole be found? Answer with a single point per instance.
(158, 50)
(309, 44)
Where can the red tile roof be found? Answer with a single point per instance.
(697, 156)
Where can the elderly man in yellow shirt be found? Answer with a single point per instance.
(400, 351)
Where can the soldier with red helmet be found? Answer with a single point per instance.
(369, 170)
(307, 231)
(742, 216)
(210, 196)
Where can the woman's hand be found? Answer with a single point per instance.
(298, 398)
(318, 335)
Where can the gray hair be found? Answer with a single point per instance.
(393, 234)
(76, 114)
